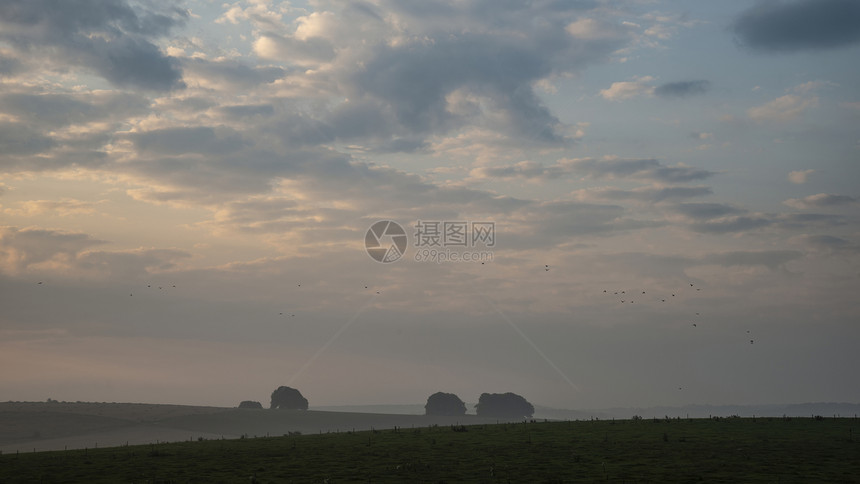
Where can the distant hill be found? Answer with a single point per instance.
(28, 426)
(826, 409)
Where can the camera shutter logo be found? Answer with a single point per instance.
(385, 241)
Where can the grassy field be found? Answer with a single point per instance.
(802, 450)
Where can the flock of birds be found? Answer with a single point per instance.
(628, 299)
(623, 296)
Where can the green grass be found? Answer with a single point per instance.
(802, 450)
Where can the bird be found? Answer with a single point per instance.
(691, 285)
(673, 295)
(643, 292)
(752, 342)
(39, 282)
(365, 287)
(663, 300)
(694, 325)
(604, 290)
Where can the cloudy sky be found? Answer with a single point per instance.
(186, 188)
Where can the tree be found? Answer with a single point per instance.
(250, 404)
(286, 398)
(444, 404)
(504, 405)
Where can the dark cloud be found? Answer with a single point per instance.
(772, 259)
(649, 194)
(682, 88)
(25, 247)
(707, 210)
(241, 111)
(489, 54)
(830, 243)
(820, 200)
(232, 72)
(645, 168)
(9, 66)
(21, 139)
(732, 224)
(128, 264)
(803, 220)
(63, 109)
(110, 37)
(649, 169)
(781, 26)
(179, 141)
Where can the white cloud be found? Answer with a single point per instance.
(620, 91)
(783, 108)
(799, 177)
(820, 200)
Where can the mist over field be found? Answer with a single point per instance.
(597, 204)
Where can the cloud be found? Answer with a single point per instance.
(55, 110)
(707, 210)
(22, 248)
(303, 52)
(644, 194)
(229, 73)
(635, 168)
(791, 26)
(62, 208)
(111, 38)
(606, 168)
(772, 259)
(682, 88)
(799, 177)
(783, 108)
(732, 224)
(820, 200)
(182, 140)
(829, 243)
(620, 91)
(21, 139)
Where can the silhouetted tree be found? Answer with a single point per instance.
(504, 405)
(444, 404)
(287, 398)
(250, 404)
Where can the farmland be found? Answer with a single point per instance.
(642, 450)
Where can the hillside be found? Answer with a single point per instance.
(56, 426)
(649, 450)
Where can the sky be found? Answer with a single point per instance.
(600, 203)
